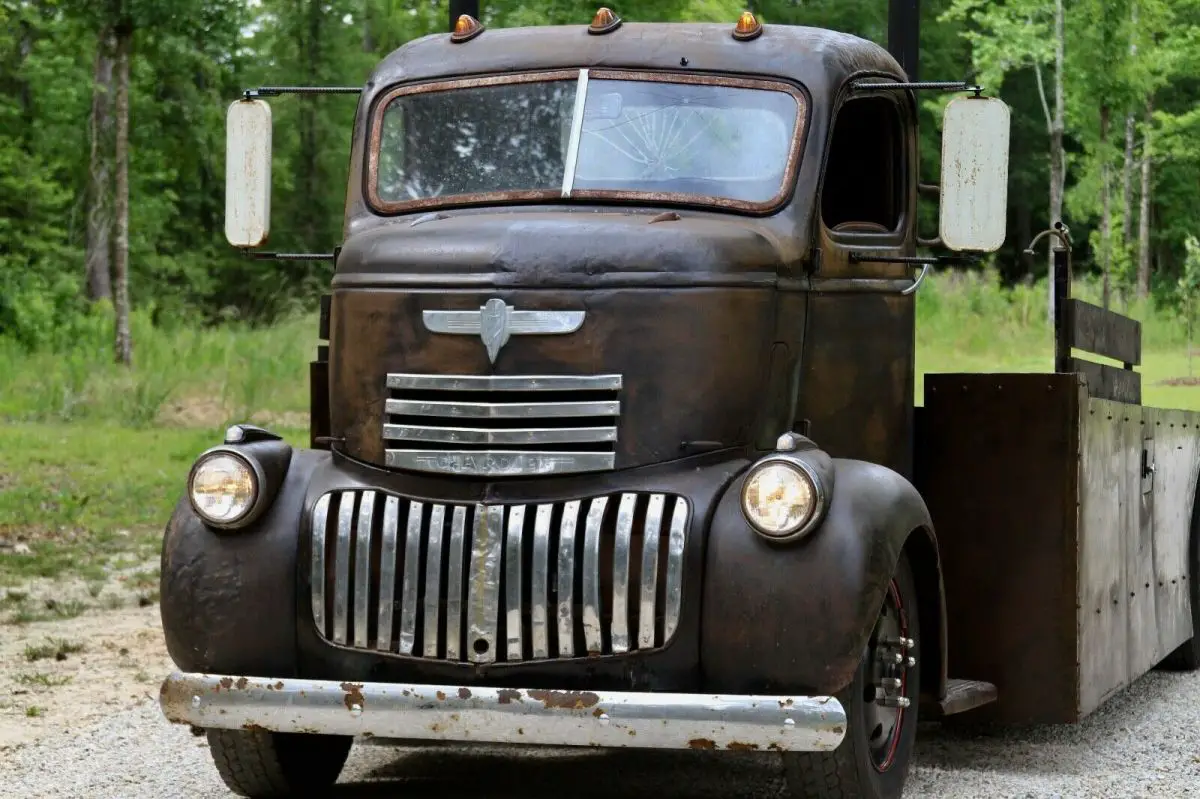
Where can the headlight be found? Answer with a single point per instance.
(780, 498)
(223, 488)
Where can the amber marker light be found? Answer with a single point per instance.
(466, 28)
(605, 21)
(747, 28)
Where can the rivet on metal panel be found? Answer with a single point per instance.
(789, 724)
(356, 710)
(195, 701)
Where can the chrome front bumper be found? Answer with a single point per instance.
(506, 715)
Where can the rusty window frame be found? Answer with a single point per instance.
(906, 113)
(381, 206)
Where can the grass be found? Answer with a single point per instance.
(91, 498)
(182, 376)
(93, 456)
(53, 648)
(40, 680)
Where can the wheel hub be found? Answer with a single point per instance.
(886, 690)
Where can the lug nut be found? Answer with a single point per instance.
(895, 701)
(891, 684)
(911, 662)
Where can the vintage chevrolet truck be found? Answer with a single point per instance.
(614, 440)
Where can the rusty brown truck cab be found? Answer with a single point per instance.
(613, 435)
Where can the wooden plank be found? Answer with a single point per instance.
(1102, 332)
(1109, 382)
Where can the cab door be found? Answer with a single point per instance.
(857, 384)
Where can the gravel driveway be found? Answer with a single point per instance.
(1144, 743)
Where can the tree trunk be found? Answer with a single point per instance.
(123, 342)
(1127, 182)
(1144, 211)
(1105, 207)
(309, 42)
(99, 219)
(1057, 156)
(368, 39)
(1127, 167)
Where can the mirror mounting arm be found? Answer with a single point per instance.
(928, 85)
(276, 91)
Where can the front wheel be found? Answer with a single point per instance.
(257, 763)
(881, 708)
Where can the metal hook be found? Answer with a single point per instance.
(917, 283)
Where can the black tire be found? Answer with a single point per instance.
(854, 770)
(258, 763)
(1186, 656)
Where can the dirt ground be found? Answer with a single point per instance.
(63, 675)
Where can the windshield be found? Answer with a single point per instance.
(579, 135)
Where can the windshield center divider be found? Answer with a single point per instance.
(576, 133)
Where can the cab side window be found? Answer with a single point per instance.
(865, 173)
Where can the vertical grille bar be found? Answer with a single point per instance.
(674, 595)
(454, 584)
(620, 580)
(362, 569)
(651, 542)
(592, 637)
(489, 590)
(541, 573)
(512, 580)
(566, 579)
(387, 572)
(320, 519)
(412, 577)
(483, 595)
(341, 582)
(433, 579)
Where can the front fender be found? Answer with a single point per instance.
(797, 616)
(228, 597)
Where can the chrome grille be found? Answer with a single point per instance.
(501, 425)
(498, 583)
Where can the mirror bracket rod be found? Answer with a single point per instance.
(936, 86)
(293, 256)
(275, 91)
(935, 260)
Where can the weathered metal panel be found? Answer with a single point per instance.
(999, 477)
(975, 136)
(1139, 469)
(1174, 457)
(1102, 332)
(248, 173)
(1109, 541)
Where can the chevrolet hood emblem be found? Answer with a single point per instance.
(496, 321)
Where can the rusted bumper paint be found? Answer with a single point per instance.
(506, 715)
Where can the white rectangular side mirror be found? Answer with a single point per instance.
(974, 202)
(248, 173)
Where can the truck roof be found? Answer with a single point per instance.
(821, 60)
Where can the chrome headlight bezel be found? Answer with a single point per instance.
(257, 478)
(807, 471)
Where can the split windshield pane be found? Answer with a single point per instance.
(632, 138)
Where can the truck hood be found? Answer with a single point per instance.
(562, 249)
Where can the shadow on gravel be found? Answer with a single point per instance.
(523, 773)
